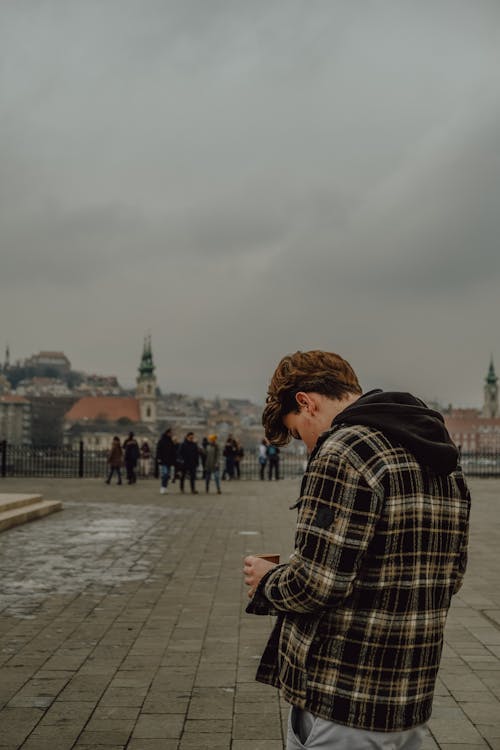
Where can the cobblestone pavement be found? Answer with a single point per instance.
(122, 622)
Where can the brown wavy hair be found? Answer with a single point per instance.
(315, 371)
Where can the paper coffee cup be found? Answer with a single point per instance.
(270, 558)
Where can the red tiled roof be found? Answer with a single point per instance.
(463, 414)
(111, 408)
(10, 398)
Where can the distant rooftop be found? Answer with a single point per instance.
(10, 398)
(50, 355)
(109, 408)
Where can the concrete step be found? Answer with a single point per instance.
(21, 511)
(16, 500)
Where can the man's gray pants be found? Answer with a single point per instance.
(312, 733)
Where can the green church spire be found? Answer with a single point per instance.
(146, 367)
(491, 378)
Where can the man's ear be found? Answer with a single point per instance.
(310, 401)
(305, 401)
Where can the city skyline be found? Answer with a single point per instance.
(250, 179)
(130, 384)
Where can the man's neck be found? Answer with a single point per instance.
(339, 406)
(331, 408)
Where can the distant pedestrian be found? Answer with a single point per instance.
(165, 457)
(115, 460)
(229, 455)
(145, 459)
(238, 458)
(189, 457)
(203, 453)
(273, 457)
(262, 457)
(175, 467)
(131, 454)
(212, 453)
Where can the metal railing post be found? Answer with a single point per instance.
(80, 459)
(3, 459)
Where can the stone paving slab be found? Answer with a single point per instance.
(122, 622)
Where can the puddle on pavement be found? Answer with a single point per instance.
(79, 548)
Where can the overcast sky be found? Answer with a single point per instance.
(245, 179)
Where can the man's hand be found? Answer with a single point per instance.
(254, 569)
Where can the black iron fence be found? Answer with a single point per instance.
(29, 461)
(49, 461)
(484, 464)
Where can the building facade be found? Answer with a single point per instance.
(478, 430)
(94, 420)
(15, 419)
(53, 362)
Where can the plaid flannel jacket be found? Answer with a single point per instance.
(380, 548)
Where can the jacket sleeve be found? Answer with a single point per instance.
(461, 565)
(338, 513)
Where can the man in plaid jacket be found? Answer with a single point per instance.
(380, 549)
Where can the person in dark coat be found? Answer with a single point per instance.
(176, 467)
(165, 457)
(115, 460)
(238, 457)
(229, 456)
(131, 455)
(203, 454)
(273, 456)
(189, 456)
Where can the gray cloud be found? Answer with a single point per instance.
(247, 179)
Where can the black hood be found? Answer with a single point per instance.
(407, 420)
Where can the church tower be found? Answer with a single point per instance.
(490, 408)
(146, 384)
